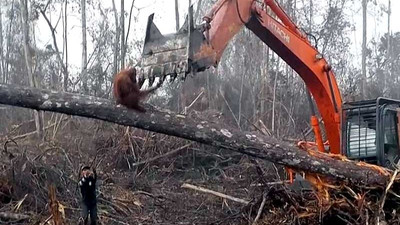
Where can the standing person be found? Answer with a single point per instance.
(87, 184)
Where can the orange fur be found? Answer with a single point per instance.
(127, 91)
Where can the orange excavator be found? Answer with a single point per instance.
(364, 130)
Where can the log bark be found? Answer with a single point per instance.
(182, 126)
(13, 216)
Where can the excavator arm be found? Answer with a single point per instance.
(196, 48)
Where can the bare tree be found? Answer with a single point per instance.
(264, 76)
(123, 48)
(8, 45)
(311, 15)
(66, 45)
(309, 98)
(57, 51)
(273, 123)
(84, 77)
(177, 15)
(2, 74)
(117, 36)
(389, 55)
(28, 61)
(240, 98)
(129, 22)
(364, 50)
(199, 5)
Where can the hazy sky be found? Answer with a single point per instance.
(165, 20)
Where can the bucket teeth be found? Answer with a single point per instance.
(141, 82)
(162, 70)
(179, 54)
(163, 78)
(173, 77)
(151, 81)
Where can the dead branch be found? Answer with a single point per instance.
(162, 156)
(383, 197)
(114, 220)
(114, 205)
(210, 133)
(67, 157)
(271, 183)
(34, 132)
(191, 104)
(208, 191)
(264, 200)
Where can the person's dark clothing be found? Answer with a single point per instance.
(89, 211)
(89, 201)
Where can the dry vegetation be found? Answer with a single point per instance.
(136, 188)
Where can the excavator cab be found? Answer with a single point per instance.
(370, 131)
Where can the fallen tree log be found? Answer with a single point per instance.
(202, 131)
(13, 216)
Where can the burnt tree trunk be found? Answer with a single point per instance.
(182, 126)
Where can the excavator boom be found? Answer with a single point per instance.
(196, 48)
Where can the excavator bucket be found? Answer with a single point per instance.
(174, 55)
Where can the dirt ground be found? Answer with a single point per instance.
(152, 192)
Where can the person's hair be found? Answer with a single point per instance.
(85, 168)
